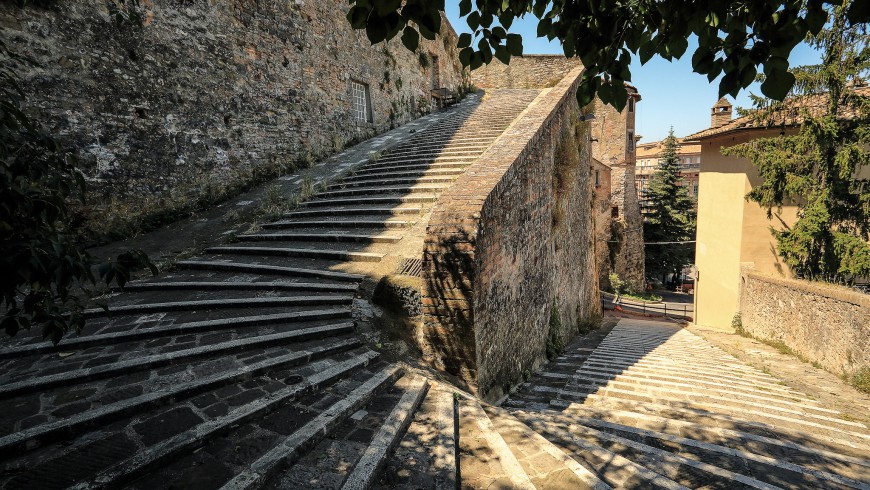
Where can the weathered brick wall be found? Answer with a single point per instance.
(826, 324)
(610, 129)
(530, 71)
(199, 97)
(511, 238)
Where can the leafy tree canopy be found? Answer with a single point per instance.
(670, 216)
(735, 38)
(823, 167)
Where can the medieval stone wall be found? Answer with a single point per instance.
(602, 211)
(176, 102)
(529, 71)
(509, 241)
(611, 131)
(826, 324)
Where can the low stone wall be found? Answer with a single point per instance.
(512, 239)
(825, 324)
(530, 71)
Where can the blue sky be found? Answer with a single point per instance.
(673, 95)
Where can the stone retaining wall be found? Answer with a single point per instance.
(530, 71)
(511, 239)
(826, 324)
(182, 102)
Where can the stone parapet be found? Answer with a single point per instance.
(826, 324)
(509, 241)
(529, 71)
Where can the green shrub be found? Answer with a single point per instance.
(861, 379)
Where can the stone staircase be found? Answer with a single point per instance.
(655, 406)
(242, 368)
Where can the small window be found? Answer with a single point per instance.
(597, 178)
(631, 141)
(696, 190)
(362, 104)
(630, 104)
(614, 212)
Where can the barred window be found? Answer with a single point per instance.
(361, 101)
(631, 141)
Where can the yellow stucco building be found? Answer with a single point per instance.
(732, 232)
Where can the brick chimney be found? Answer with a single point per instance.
(721, 113)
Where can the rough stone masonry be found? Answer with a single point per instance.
(174, 103)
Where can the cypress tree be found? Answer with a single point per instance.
(670, 216)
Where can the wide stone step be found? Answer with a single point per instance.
(384, 189)
(62, 428)
(610, 466)
(353, 201)
(847, 432)
(289, 450)
(147, 362)
(254, 268)
(586, 377)
(364, 181)
(390, 431)
(299, 252)
(546, 464)
(854, 450)
(345, 211)
(426, 456)
(259, 302)
(684, 470)
(451, 168)
(422, 171)
(185, 442)
(129, 335)
(341, 223)
(162, 285)
(775, 448)
(486, 460)
(322, 237)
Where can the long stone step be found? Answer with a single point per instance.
(145, 362)
(206, 304)
(726, 441)
(286, 452)
(547, 465)
(367, 182)
(426, 456)
(352, 201)
(586, 377)
(720, 402)
(213, 265)
(423, 171)
(387, 438)
(343, 223)
(851, 449)
(322, 237)
(612, 468)
(452, 168)
(344, 211)
(186, 328)
(259, 285)
(186, 441)
(379, 189)
(486, 460)
(346, 255)
(686, 471)
(760, 414)
(33, 437)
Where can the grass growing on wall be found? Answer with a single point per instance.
(555, 344)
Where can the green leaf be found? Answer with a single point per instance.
(647, 51)
(384, 7)
(476, 60)
(465, 56)
(544, 27)
(473, 20)
(501, 53)
(357, 16)
(410, 38)
(464, 7)
(777, 84)
(515, 44)
(506, 19)
(499, 33)
(465, 40)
